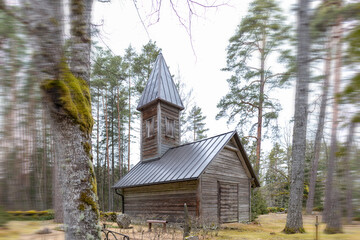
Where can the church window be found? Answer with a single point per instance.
(149, 127)
(170, 127)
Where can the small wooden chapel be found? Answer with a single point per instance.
(212, 176)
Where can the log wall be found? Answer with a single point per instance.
(161, 201)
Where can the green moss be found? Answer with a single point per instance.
(87, 147)
(71, 95)
(86, 198)
(288, 230)
(81, 207)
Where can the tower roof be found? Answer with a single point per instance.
(160, 86)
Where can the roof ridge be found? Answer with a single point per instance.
(204, 139)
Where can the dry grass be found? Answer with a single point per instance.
(272, 224)
(269, 227)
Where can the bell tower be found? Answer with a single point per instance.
(160, 105)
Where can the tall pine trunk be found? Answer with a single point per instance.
(98, 165)
(332, 214)
(348, 175)
(320, 127)
(294, 222)
(111, 193)
(129, 133)
(119, 130)
(105, 103)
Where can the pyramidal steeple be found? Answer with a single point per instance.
(160, 86)
(160, 105)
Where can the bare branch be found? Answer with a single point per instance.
(142, 22)
(250, 137)
(207, 6)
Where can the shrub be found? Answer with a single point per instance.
(258, 204)
(108, 216)
(318, 208)
(31, 215)
(272, 209)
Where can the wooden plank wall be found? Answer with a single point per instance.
(162, 201)
(225, 168)
(172, 113)
(149, 146)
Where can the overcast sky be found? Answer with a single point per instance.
(199, 69)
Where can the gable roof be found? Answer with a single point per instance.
(160, 86)
(185, 162)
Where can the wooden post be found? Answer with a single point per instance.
(187, 227)
(317, 228)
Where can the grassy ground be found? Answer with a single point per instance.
(269, 227)
(272, 224)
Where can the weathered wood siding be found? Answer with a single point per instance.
(225, 170)
(168, 111)
(162, 201)
(149, 146)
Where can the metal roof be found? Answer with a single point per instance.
(180, 163)
(160, 86)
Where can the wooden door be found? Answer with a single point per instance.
(228, 202)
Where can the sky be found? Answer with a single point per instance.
(198, 60)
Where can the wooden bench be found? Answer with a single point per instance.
(150, 222)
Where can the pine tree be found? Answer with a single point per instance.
(260, 34)
(196, 123)
(143, 65)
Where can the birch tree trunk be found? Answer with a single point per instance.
(332, 214)
(320, 127)
(294, 222)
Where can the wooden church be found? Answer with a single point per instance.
(212, 176)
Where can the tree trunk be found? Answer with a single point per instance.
(111, 193)
(348, 176)
(98, 166)
(119, 130)
(320, 127)
(260, 107)
(67, 101)
(129, 135)
(294, 222)
(80, 17)
(332, 214)
(57, 188)
(105, 103)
